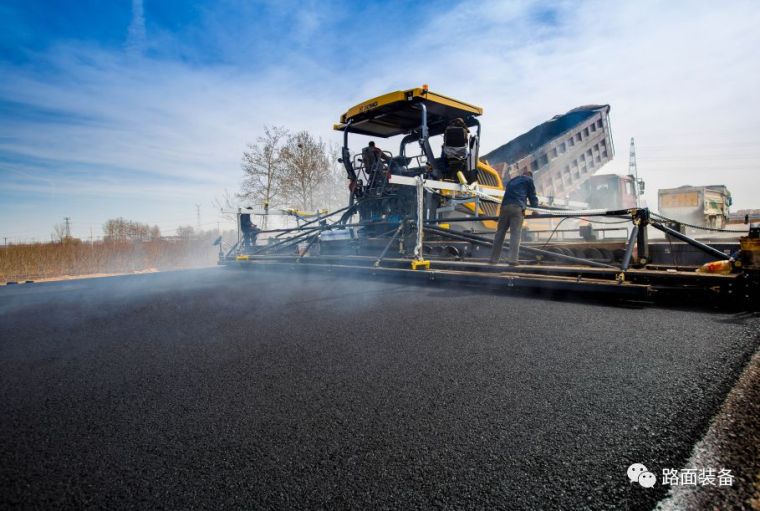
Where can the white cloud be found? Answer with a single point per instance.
(681, 78)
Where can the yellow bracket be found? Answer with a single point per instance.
(241, 258)
(620, 277)
(420, 264)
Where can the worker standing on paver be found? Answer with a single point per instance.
(372, 155)
(518, 192)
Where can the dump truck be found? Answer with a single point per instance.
(700, 206)
(562, 152)
(565, 155)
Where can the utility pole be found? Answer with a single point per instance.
(67, 230)
(634, 173)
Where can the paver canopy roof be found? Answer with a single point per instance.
(398, 113)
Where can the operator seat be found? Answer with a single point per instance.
(455, 148)
(455, 142)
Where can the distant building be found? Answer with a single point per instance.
(562, 152)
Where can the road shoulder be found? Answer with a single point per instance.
(732, 442)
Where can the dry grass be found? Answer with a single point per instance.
(45, 260)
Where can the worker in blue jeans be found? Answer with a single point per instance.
(518, 192)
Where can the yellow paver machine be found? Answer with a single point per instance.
(430, 214)
(415, 117)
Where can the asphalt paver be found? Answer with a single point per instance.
(229, 389)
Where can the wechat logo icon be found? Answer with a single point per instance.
(638, 473)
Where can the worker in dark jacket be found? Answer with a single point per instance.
(518, 192)
(250, 230)
(371, 155)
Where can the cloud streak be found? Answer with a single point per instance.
(136, 33)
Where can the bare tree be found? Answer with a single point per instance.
(121, 230)
(293, 169)
(332, 192)
(227, 204)
(185, 232)
(59, 233)
(262, 167)
(307, 166)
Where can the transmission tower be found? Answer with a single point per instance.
(198, 217)
(67, 228)
(633, 172)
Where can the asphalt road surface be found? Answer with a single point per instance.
(215, 388)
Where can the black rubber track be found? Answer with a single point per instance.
(223, 389)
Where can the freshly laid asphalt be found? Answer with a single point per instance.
(226, 389)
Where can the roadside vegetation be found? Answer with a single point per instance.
(126, 247)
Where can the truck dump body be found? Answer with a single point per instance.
(562, 152)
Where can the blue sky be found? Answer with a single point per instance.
(141, 109)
